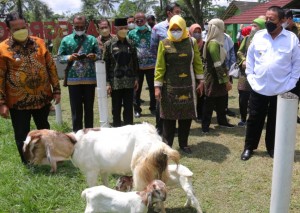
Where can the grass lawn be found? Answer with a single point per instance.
(222, 182)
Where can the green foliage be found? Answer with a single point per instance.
(126, 8)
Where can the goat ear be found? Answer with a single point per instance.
(72, 138)
(149, 199)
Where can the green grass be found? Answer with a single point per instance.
(222, 182)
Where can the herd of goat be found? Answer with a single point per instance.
(135, 150)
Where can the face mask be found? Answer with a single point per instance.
(285, 25)
(104, 32)
(131, 26)
(197, 35)
(270, 26)
(122, 33)
(20, 35)
(206, 27)
(151, 24)
(141, 28)
(79, 33)
(176, 34)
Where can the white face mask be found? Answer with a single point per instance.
(285, 24)
(176, 34)
(131, 26)
(79, 33)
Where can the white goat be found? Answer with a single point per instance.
(179, 176)
(133, 149)
(103, 199)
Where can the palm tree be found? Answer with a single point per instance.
(144, 5)
(107, 6)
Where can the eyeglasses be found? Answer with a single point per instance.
(139, 21)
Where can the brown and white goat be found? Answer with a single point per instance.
(103, 199)
(179, 176)
(47, 147)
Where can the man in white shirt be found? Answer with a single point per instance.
(272, 68)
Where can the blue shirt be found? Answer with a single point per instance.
(159, 33)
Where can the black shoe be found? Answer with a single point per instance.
(137, 114)
(205, 130)
(271, 153)
(247, 153)
(186, 150)
(142, 101)
(230, 113)
(227, 125)
(153, 112)
(298, 120)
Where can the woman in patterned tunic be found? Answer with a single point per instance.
(178, 67)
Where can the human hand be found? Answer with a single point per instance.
(91, 56)
(4, 111)
(228, 86)
(200, 88)
(157, 92)
(108, 89)
(244, 64)
(74, 57)
(56, 98)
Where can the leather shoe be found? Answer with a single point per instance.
(247, 153)
(271, 153)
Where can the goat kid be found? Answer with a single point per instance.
(103, 199)
(47, 147)
(132, 149)
(179, 176)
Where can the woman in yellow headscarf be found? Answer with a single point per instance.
(178, 67)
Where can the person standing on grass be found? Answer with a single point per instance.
(141, 36)
(177, 69)
(243, 85)
(121, 73)
(28, 80)
(272, 68)
(81, 79)
(159, 33)
(216, 77)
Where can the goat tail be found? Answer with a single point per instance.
(171, 153)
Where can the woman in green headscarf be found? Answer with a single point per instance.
(178, 74)
(243, 85)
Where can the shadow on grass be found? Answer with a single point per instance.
(176, 210)
(207, 151)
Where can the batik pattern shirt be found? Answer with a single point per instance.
(28, 75)
(121, 63)
(82, 71)
(141, 41)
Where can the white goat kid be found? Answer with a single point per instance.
(103, 199)
(179, 175)
(133, 149)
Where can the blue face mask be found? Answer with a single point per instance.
(141, 28)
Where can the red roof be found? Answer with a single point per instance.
(248, 16)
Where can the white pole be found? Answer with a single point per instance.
(102, 94)
(285, 138)
(58, 114)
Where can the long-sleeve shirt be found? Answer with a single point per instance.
(121, 63)
(229, 47)
(273, 65)
(28, 75)
(82, 71)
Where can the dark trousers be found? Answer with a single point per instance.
(244, 103)
(261, 106)
(82, 99)
(158, 119)
(169, 127)
(211, 103)
(150, 81)
(119, 97)
(200, 104)
(21, 123)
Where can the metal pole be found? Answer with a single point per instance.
(102, 94)
(285, 138)
(58, 114)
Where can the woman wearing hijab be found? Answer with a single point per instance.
(195, 31)
(178, 70)
(244, 87)
(216, 76)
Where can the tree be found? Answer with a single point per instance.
(144, 5)
(126, 8)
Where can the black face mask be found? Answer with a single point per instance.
(270, 26)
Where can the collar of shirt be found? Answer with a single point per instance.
(14, 43)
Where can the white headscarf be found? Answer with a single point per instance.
(216, 33)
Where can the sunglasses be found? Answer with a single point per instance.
(139, 21)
